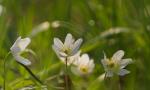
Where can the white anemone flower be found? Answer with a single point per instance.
(116, 64)
(83, 66)
(18, 47)
(67, 49)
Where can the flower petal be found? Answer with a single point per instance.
(125, 62)
(109, 74)
(104, 63)
(58, 43)
(23, 43)
(62, 58)
(20, 45)
(105, 60)
(84, 59)
(15, 48)
(76, 46)
(22, 60)
(105, 57)
(68, 40)
(56, 49)
(91, 65)
(63, 54)
(74, 59)
(118, 55)
(101, 77)
(75, 70)
(123, 72)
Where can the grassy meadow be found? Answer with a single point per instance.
(104, 25)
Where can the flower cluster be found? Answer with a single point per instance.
(69, 52)
(82, 64)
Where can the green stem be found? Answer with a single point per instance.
(120, 84)
(105, 76)
(31, 73)
(5, 70)
(66, 76)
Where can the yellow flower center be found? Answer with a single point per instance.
(111, 64)
(66, 50)
(84, 69)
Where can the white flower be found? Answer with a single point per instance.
(18, 47)
(55, 24)
(40, 28)
(116, 64)
(83, 66)
(72, 59)
(67, 49)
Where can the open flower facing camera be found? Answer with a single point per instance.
(67, 49)
(83, 65)
(18, 47)
(116, 64)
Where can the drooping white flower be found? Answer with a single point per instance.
(18, 47)
(83, 66)
(40, 28)
(116, 64)
(55, 24)
(67, 49)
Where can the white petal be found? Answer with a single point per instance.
(101, 77)
(75, 70)
(56, 49)
(15, 48)
(91, 65)
(123, 72)
(105, 57)
(84, 59)
(22, 60)
(118, 55)
(68, 40)
(104, 63)
(74, 59)
(76, 46)
(109, 74)
(58, 43)
(20, 45)
(62, 58)
(23, 43)
(63, 54)
(125, 62)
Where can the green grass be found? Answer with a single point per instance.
(89, 19)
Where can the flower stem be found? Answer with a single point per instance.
(66, 76)
(4, 83)
(120, 84)
(31, 73)
(105, 77)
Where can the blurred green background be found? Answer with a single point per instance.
(104, 25)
